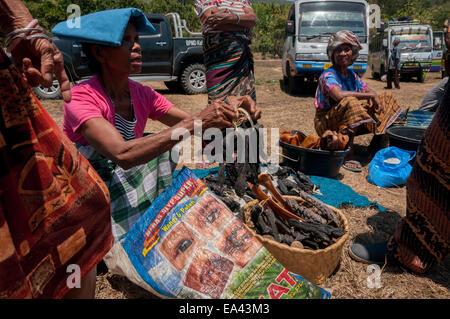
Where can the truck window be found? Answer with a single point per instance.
(157, 25)
(413, 39)
(320, 19)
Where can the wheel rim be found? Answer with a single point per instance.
(197, 79)
(50, 90)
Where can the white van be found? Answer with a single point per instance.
(416, 47)
(308, 29)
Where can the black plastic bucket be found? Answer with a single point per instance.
(311, 161)
(405, 137)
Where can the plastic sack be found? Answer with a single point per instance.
(189, 245)
(384, 78)
(390, 167)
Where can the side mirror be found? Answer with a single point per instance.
(290, 28)
(385, 42)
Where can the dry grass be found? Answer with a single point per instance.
(366, 224)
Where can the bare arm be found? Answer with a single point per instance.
(173, 116)
(221, 21)
(13, 15)
(337, 94)
(38, 58)
(105, 138)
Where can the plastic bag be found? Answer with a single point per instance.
(390, 167)
(188, 244)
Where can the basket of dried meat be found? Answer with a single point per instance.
(304, 234)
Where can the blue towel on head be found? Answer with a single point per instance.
(104, 27)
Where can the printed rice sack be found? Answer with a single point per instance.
(188, 244)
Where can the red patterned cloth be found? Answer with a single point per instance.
(54, 208)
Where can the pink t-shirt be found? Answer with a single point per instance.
(90, 101)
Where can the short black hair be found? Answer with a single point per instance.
(94, 66)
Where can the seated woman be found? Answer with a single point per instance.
(344, 100)
(108, 113)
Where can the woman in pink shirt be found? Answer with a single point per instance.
(106, 119)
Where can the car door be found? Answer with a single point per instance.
(157, 49)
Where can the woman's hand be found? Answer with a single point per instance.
(376, 103)
(218, 18)
(247, 103)
(39, 59)
(217, 114)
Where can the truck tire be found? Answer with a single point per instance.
(421, 77)
(193, 79)
(173, 86)
(294, 84)
(51, 93)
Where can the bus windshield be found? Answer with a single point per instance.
(413, 40)
(318, 20)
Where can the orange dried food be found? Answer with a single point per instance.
(311, 141)
(290, 137)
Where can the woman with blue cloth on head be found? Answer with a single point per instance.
(108, 113)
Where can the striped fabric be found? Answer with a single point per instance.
(351, 112)
(229, 65)
(125, 127)
(422, 239)
(132, 191)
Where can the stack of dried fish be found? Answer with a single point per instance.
(290, 181)
(235, 191)
(309, 225)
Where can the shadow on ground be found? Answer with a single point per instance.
(129, 289)
(308, 89)
(383, 225)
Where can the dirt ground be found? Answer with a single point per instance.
(366, 224)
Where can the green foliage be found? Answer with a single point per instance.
(269, 30)
(271, 14)
(432, 12)
(50, 12)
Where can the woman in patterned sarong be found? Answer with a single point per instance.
(226, 31)
(108, 114)
(55, 222)
(344, 100)
(421, 239)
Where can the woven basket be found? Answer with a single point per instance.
(314, 265)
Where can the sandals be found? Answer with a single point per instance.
(353, 166)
